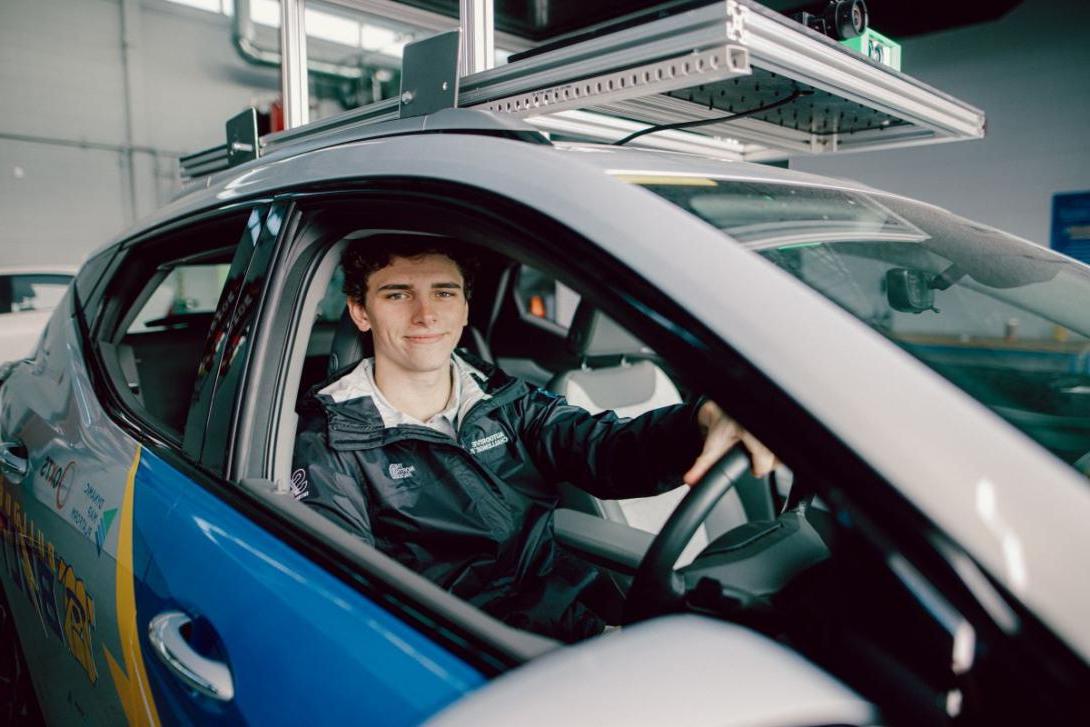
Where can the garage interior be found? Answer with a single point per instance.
(240, 239)
(101, 97)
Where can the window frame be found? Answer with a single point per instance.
(260, 402)
(106, 322)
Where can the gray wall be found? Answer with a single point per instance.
(1030, 73)
(71, 108)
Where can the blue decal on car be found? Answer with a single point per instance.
(297, 641)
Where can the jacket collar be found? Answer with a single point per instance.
(354, 421)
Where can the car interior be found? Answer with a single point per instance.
(537, 328)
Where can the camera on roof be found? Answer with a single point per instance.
(839, 19)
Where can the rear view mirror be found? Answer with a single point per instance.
(910, 291)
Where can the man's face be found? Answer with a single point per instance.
(415, 309)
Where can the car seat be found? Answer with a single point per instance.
(617, 373)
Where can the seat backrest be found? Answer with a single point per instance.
(608, 381)
(350, 346)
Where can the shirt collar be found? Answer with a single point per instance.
(464, 393)
(444, 421)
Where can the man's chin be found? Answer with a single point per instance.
(424, 361)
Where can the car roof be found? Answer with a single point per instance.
(38, 270)
(205, 192)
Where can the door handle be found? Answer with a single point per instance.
(13, 460)
(208, 677)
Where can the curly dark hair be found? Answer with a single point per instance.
(368, 255)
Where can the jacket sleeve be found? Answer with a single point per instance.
(609, 457)
(329, 481)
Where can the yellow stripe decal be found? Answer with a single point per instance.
(132, 680)
(645, 180)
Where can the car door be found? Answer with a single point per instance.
(140, 592)
(66, 518)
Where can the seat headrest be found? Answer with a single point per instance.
(593, 334)
(349, 345)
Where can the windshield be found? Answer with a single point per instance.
(1005, 320)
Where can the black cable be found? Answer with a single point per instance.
(701, 122)
(834, 132)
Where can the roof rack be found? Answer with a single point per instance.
(771, 87)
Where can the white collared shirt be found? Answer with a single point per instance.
(445, 422)
(464, 393)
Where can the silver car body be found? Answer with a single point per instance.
(967, 470)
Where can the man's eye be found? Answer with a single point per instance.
(446, 293)
(395, 296)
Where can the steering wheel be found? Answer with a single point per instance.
(656, 588)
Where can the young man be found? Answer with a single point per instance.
(450, 466)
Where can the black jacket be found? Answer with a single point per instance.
(475, 515)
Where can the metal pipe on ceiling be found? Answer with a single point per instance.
(244, 39)
(294, 89)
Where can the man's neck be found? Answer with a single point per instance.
(420, 394)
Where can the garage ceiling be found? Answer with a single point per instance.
(540, 20)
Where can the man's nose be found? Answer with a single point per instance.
(424, 311)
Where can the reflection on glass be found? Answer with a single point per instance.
(1005, 320)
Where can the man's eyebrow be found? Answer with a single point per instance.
(406, 286)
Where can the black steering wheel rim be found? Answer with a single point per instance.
(656, 588)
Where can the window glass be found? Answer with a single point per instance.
(186, 291)
(167, 314)
(1005, 320)
(20, 293)
(544, 297)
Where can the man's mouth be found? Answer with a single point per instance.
(424, 338)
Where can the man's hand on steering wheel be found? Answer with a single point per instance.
(720, 434)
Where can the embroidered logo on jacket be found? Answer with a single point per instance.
(400, 471)
(299, 485)
(490, 442)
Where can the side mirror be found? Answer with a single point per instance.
(910, 291)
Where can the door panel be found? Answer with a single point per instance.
(101, 536)
(60, 528)
(298, 642)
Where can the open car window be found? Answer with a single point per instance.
(163, 316)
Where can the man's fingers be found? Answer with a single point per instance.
(762, 460)
(700, 468)
(761, 457)
(721, 433)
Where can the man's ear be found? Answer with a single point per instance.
(359, 315)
